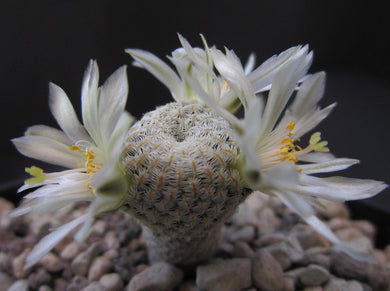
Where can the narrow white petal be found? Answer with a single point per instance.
(309, 94)
(63, 111)
(250, 64)
(90, 101)
(47, 150)
(264, 74)
(112, 102)
(49, 132)
(316, 157)
(283, 85)
(47, 243)
(119, 132)
(303, 209)
(328, 166)
(212, 102)
(310, 120)
(160, 70)
(340, 188)
(232, 71)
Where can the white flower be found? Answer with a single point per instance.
(91, 153)
(271, 161)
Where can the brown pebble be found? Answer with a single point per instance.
(242, 250)
(39, 278)
(99, 266)
(333, 209)
(6, 281)
(268, 222)
(81, 263)
(52, 263)
(267, 274)
(5, 206)
(160, 276)
(111, 241)
(111, 282)
(224, 275)
(111, 254)
(314, 275)
(288, 284)
(349, 233)
(71, 250)
(18, 265)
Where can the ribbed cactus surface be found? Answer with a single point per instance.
(181, 160)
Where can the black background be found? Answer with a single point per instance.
(44, 41)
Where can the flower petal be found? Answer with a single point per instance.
(264, 74)
(112, 102)
(90, 102)
(304, 210)
(309, 94)
(46, 244)
(328, 166)
(160, 70)
(339, 188)
(47, 150)
(49, 132)
(63, 112)
(282, 87)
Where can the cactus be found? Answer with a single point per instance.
(184, 168)
(182, 160)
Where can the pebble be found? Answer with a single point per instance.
(189, 286)
(5, 206)
(99, 266)
(314, 275)
(71, 250)
(268, 222)
(81, 263)
(114, 257)
(347, 267)
(287, 251)
(18, 265)
(110, 240)
(19, 285)
(336, 284)
(333, 209)
(94, 286)
(39, 278)
(225, 275)
(111, 282)
(267, 274)
(52, 263)
(245, 234)
(160, 276)
(6, 281)
(242, 250)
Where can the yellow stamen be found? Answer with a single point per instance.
(316, 145)
(37, 176)
(289, 151)
(76, 148)
(290, 126)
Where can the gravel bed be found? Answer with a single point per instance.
(263, 247)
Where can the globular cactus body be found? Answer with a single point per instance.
(181, 160)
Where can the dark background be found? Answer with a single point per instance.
(44, 41)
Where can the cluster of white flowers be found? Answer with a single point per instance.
(280, 102)
(270, 160)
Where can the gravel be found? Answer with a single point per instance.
(263, 247)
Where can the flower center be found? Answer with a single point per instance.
(89, 156)
(290, 152)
